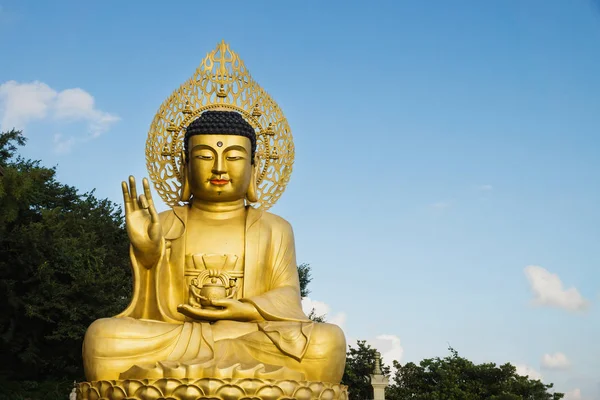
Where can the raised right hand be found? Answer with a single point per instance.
(143, 224)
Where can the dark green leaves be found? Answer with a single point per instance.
(63, 264)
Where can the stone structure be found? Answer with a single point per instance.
(378, 380)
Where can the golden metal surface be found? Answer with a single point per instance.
(216, 289)
(220, 82)
(210, 388)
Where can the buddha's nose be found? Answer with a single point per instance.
(218, 166)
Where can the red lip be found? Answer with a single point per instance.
(219, 181)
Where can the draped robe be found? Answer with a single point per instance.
(151, 339)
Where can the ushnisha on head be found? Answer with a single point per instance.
(218, 159)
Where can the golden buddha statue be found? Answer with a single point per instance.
(216, 290)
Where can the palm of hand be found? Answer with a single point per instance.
(143, 232)
(232, 310)
(141, 218)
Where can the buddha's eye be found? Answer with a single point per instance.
(204, 156)
(234, 158)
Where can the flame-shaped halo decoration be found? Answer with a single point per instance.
(220, 82)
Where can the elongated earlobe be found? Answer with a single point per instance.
(252, 193)
(185, 193)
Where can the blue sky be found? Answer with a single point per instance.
(441, 149)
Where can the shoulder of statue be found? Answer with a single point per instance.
(274, 221)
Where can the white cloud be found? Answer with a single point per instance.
(21, 103)
(526, 370)
(485, 188)
(322, 308)
(574, 394)
(389, 346)
(555, 361)
(548, 290)
(77, 104)
(338, 319)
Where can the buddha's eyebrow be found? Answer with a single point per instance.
(202, 146)
(236, 147)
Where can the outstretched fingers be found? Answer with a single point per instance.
(144, 201)
(133, 190)
(148, 196)
(147, 192)
(126, 197)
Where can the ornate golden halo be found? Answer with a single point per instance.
(220, 82)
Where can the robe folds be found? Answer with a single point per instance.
(151, 339)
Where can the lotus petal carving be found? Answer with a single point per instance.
(210, 389)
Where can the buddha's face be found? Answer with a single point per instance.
(219, 167)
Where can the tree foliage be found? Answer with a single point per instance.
(63, 264)
(313, 316)
(456, 378)
(305, 279)
(449, 378)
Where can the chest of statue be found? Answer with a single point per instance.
(214, 261)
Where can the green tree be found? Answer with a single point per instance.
(360, 362)
(305, 279)
(63, 264)
(456, 378)
(449, 378)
